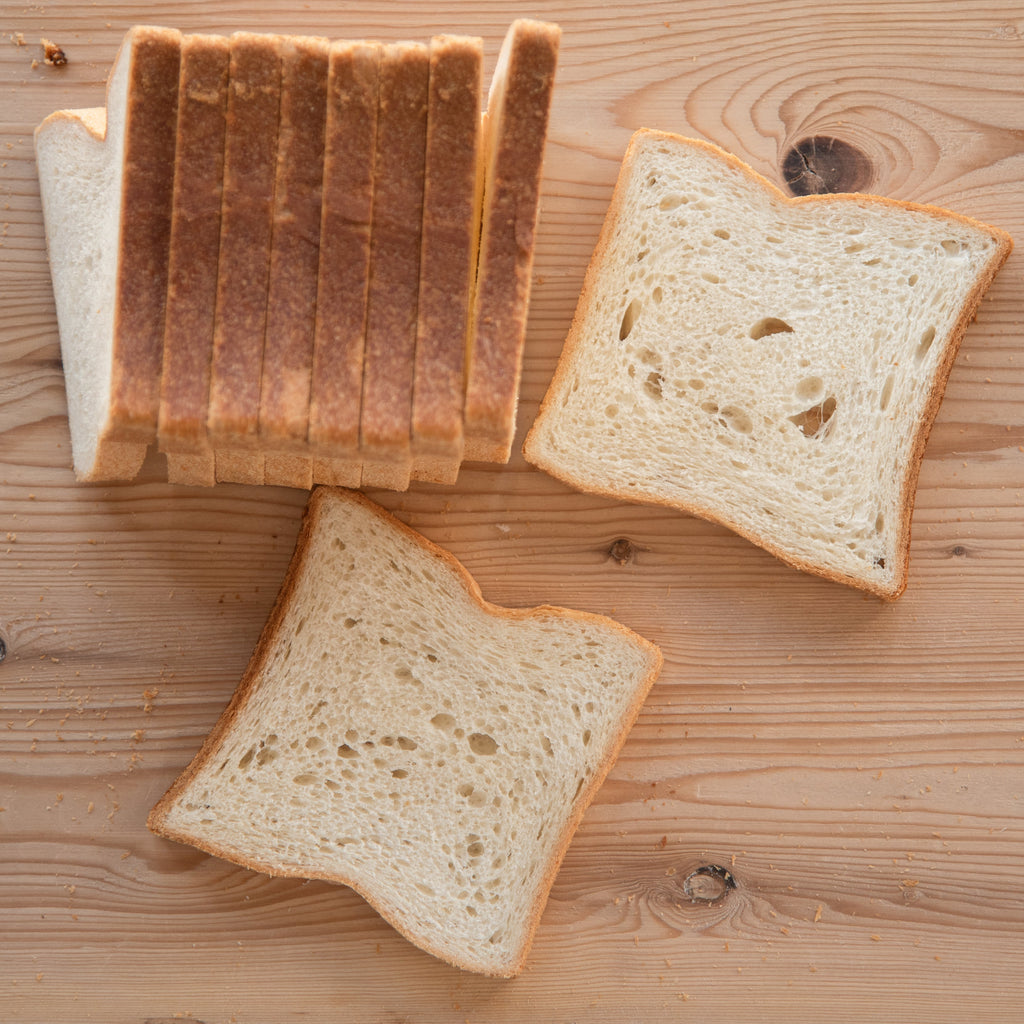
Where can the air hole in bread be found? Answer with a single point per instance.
(652, 386)
(443, 721)
(347, 752)
(912, 280)
(657, 294)
(886, 396)
(872, 262)
(399, 773)
(810, 389)
(951, 247)
(629, 319)
(816, 422)
(880, 523)
(611, 411)
(854, 247)
(710, 277)
(305, 779)
(722, 233)
(481, 743)
(769, 325)
(924, 344)
(350, 622)
(673, 201)
(736, 419)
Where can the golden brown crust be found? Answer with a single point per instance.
(250, 158)
(194, 253)
(912, 469)
(295, 252)
(247, 687)
(349, 148)
(149, 138)
(385, 417)
(448, 255)
(517, 115)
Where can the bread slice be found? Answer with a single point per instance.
(106, 179)
(194, 253)
(768, 363)
(518, 109)
(385, 418)
(350, 145)
(396, 733)
(448, 250)
(250, 163)
(294, 263)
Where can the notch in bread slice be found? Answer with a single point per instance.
(448, 250)
(250, 165)
(106, 181)
(193, 259)
(385, 427)
(396, 733)
(294, 263)
(769, 363)
(349, 148)
(518, 110)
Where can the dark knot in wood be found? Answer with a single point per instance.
(820, 164)
(3, 648)
(959, 551)
(710, 883)
(623, 550)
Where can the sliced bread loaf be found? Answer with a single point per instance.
(448, 249)
(193, 259)
(396, 733)
(349, 148)
(769, 363)
(106, 181)
(518, 109)
(250, 164)
(385, 418)
(294, 263)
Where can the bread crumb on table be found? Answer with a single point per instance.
(53, 54)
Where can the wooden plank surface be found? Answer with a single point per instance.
(819, 814)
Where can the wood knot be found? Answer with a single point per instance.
(623, 550)
(710, 883)
(959, 551)
(3, 648)
(821, 164)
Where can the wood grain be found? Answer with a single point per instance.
(855, 769)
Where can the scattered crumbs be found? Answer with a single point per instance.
(732, 861)
(138, 734)
(817, 913)
(59, 799)
(148, 696)
(70, 889)
(783, 929)
(53, 54)
(876, 938)
(937, 957)
(126, 854)
(39, 976)
(636, 940)
(19, 38)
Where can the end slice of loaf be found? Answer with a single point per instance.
(385, 418)
(448, 250)
(769, 363)
(396, 733)
(193, 260)
(518, 109)
(106, 181)
(350, 145)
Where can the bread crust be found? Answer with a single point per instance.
(448, 255)
(150, 132)
(349, 148)
(294, 262)
(518, 111)
(193, 260)
(247, 688)
(386, 414)
(250, 160)
(532, 448)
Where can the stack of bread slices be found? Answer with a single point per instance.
(291, 260)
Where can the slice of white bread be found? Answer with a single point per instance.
(350, 145)
(448, 249)
(250, 164)
(396, 733)
(769, 363)
(294, 263)
(106, 180)
(193, 258)
(385, 424)
(518, 109)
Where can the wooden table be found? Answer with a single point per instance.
(819, 814)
